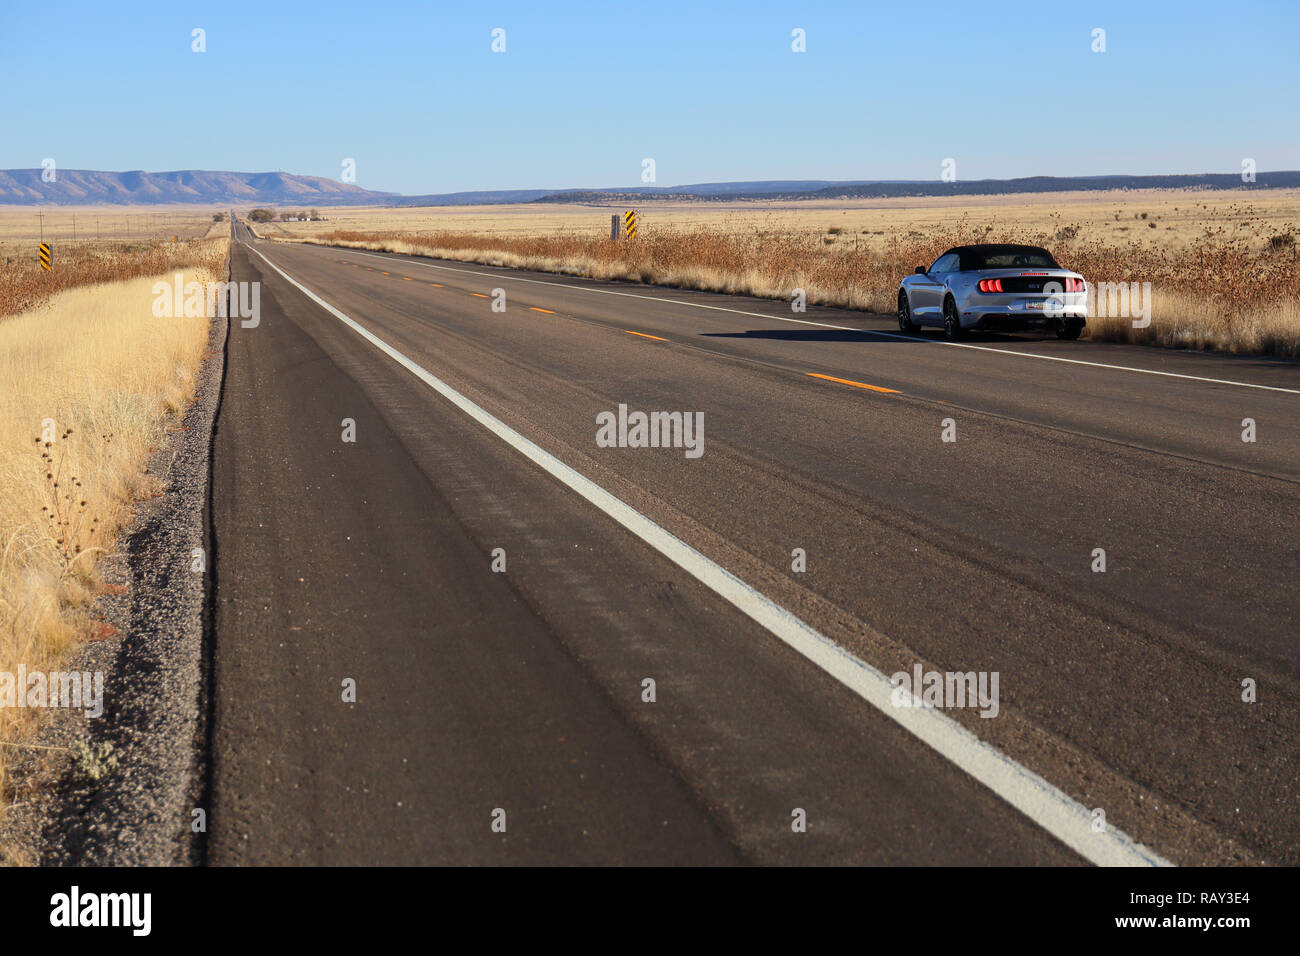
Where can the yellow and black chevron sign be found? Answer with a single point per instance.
(45, 256)
(629, 223)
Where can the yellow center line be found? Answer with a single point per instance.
(644, 336)
(546, 311)
(435, 285)
(383, 273)
(845, 381)
(407, 279)
(479, 295)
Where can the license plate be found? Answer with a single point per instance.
(1034, 306)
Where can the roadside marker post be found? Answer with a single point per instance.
(45, 257)
(629, 223)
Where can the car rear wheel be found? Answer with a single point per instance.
(1069, 329)
(905, 322)
(952, 329)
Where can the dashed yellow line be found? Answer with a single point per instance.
(435, 285)
(478, 295)
(407, 279)
(644, 336)
(544, 311)
(845, 381)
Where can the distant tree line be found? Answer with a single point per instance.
(262, 214)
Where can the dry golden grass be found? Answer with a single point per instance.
(1225, 276)
(1184, 321)
(105, 372)
(26, 224)
(1180, 217)
(25, 285)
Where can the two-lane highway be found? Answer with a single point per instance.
(830, 486)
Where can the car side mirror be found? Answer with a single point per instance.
(920, 270)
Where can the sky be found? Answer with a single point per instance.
(585, 92)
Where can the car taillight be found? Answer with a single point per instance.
(1073, 285)
(990, 285)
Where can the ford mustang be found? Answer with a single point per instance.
(998, 287)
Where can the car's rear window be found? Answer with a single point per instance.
(1007, 259)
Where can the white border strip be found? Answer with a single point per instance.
(1062, 817)
(400, 257)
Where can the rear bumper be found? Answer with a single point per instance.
(1020, 321)
(1026, 312)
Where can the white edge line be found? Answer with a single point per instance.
(827, 325)
(1060, 815)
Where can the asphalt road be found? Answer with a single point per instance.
(522, 691)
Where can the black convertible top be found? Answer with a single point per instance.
(1002, 255)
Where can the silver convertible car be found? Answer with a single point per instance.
(995, 287)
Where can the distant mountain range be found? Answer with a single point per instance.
(89, 187)
(864, 189)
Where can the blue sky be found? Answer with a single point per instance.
(585, 91)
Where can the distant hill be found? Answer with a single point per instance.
(710, 190)
(865, 189)
(1052, 184)
(478, 197)
(90, 187)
